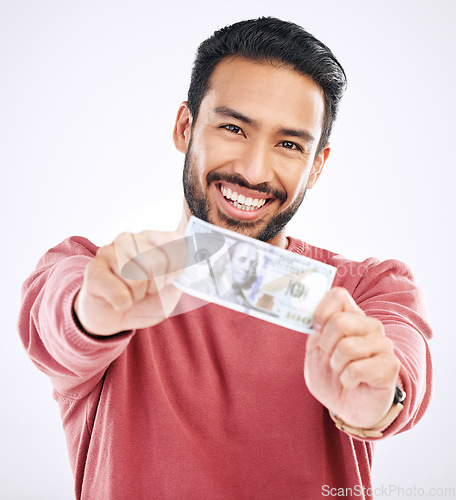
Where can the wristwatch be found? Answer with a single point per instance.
(376, 430)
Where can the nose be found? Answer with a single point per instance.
(255, 163)
(244, 267)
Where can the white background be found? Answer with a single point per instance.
(88, 96)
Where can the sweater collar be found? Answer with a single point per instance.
(296, 246)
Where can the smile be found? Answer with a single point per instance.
(241, 202)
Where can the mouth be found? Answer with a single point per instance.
(242, 203)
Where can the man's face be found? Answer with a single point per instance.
(243, 264)
(250, 155)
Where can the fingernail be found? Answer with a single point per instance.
(317, 327)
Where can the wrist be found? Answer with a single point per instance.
(375, 431)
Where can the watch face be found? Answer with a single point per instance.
(399, 396)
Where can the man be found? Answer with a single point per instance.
(243, 260)
(212, 403)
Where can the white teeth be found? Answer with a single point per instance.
(245, 208)
(240, 201)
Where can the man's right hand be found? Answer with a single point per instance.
(109, 302)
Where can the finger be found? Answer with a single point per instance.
(379, 371)
(103, 283)
(140, 271)
(350, 349)
(162, 255)
(121, 251)
(172, 245)
(156, 264)
(145, 256)
(156, 307)
(137, 279)
(336, 300)
(347, 324)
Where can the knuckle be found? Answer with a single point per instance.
(135, 270)
(123, 236)
(95, 270)
(145, 235)
(388, 368)
(138, 285)
(354, 370)
(388, 346)
(139, 239)
(338, 321)
(158, 259)
(121, 296)
(339, 293)
(146, 240)
(376, 326)
(122, 243)
(389, 343)
(103, 251)
(347, 346)
(396, 365)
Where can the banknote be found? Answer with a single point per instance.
(253, 277)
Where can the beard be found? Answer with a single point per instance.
(199, 206)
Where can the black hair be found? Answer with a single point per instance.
(275, 41)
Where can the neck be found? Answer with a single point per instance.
(280, 241)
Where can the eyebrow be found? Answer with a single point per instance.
(301, 134)
(232, 113)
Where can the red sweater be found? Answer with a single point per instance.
(210, 404)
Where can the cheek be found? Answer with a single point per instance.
(294, 181)
(210, 153)
(220, 152)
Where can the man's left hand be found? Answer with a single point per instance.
(350, 364)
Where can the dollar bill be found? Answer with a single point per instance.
(253, 277)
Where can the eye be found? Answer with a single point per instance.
(291, 145)
(233, 128)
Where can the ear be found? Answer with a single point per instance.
(318, 165)
(182, 128)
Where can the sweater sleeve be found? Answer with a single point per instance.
(73, 360)
(387, 291)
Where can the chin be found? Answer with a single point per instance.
(258, 229)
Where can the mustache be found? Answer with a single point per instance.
(263, 187)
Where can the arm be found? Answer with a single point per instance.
(74, 347)
(73, 360)
(369, 342)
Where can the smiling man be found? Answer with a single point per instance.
(257, 159)
(208, 402)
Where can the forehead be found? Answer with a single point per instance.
(271, 94)
(244, 251)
